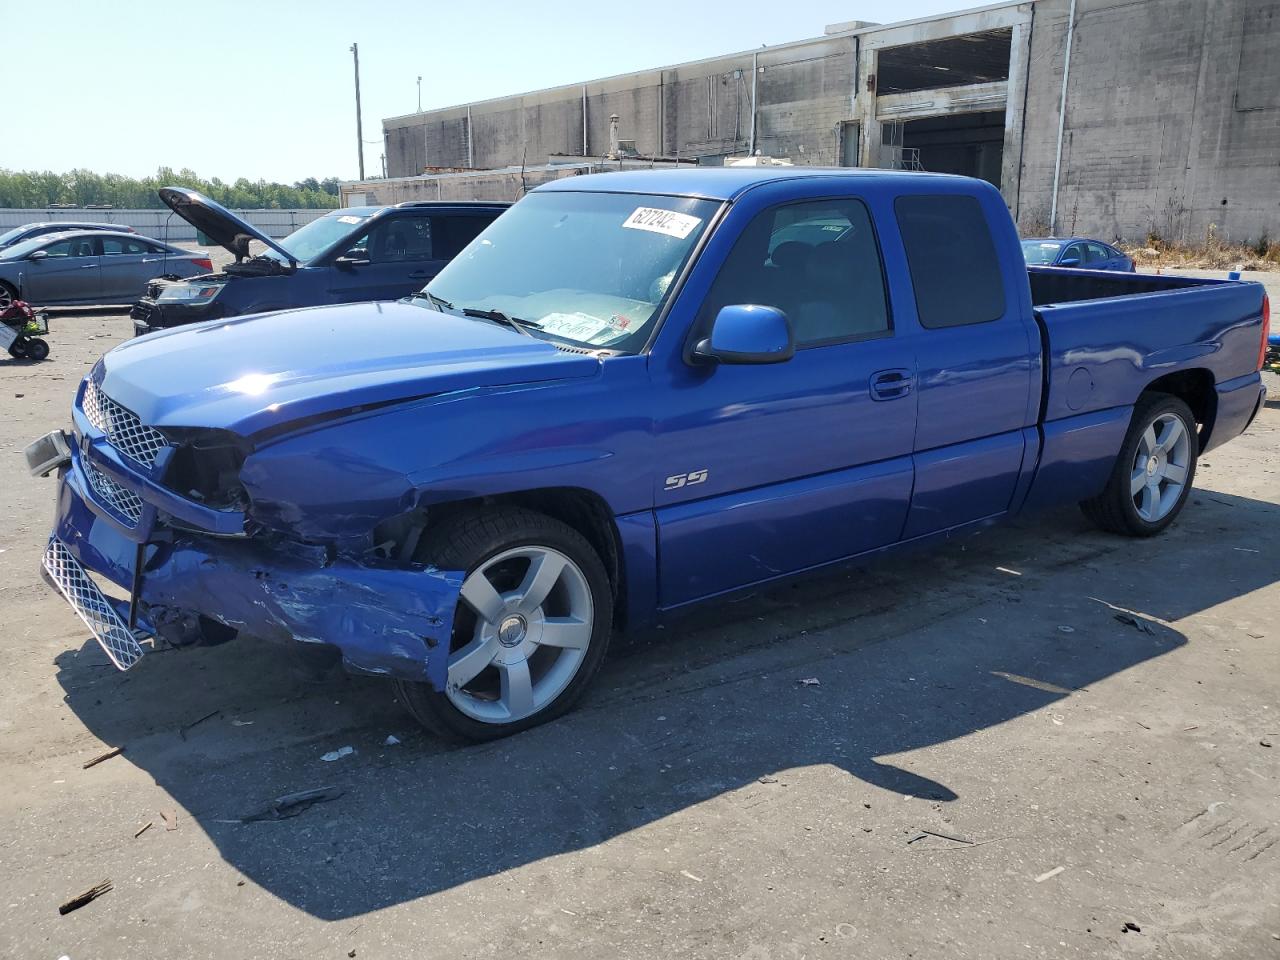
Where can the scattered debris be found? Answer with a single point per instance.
(569, 912)
(945, 836)
(351, 952)
(182, 731)
(766, 779)
(338, 754)
(93, 893)
(810, 682)
(1007, 570)
(686, 873)
(170, 818)
(1246, 550)
(114, 752)
(1063, 628)
(1030, 682)
(1194, 726)
(1049, 874)
(292, 804)
(1142, 725)
(1264, 743)
(143, 829)
(391, 741)
(919, 836)
(1130, 620)
(1129, 925)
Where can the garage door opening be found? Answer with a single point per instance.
(971, 144)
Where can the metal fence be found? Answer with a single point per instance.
(161, 224)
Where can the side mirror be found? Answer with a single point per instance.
(1069, 262)
(747, 333)
(37, 255)
(348, 261)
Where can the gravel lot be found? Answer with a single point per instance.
(991, 764)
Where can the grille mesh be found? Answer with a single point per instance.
(123, 501)
(93, 608)
(126, 432)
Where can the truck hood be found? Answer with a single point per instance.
(217, 222)
(257, 373)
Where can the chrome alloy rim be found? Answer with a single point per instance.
(1160, 467)
(532, 616)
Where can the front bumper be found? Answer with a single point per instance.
(384, 619)
(149, 315)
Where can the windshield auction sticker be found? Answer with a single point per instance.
(678, 225)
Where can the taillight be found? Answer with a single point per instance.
(204, 263)
(1266, 330)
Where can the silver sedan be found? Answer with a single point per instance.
(85, 267)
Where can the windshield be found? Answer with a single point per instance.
(1040, 251)
(590, 268)
(11, 235)
(316, 237)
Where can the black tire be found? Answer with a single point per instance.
(37, 349)
(8, 294)
(466, 542)
(1114, 510)
(18, 350)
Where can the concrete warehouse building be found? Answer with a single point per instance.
(1115, 118)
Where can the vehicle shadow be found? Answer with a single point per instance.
(909, 654)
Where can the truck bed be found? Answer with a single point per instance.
(1051, 285)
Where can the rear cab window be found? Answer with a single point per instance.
(951, 256)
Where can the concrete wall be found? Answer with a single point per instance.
(701, 109)
(1172, 119)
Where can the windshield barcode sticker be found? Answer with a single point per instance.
(678, 225)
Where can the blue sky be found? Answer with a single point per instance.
(264, 89)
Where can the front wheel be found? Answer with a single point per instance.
(37, 349)
(531, 626)
(1152, 477)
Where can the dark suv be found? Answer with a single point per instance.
(348, 255)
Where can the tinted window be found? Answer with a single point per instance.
(450, 234)
(1098, 253)
(953, 263)
(817, 262)
(60, 249)
(397, 238)
(1074, 252)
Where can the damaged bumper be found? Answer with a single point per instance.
(384, 619)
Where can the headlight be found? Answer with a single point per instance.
(189, 292)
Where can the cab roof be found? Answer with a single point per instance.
(726, 183)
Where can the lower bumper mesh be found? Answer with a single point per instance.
(111, 632)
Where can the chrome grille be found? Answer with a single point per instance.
(108, 628)
(126, 432)
(123, 501)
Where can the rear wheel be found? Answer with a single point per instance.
(7, 295)
(1152, 477)
(37, 349)
(531, 626)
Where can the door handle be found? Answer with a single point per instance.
(891, 384)
(421, 275)
(150, 259)
(88, 266)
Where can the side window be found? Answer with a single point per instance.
(1075, 252)
(1097, 253)
(60, 249)
(450, 234)
(952, 260)
(117, 246)
(818, 262)
(397, 239)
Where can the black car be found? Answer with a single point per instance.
(348, 255)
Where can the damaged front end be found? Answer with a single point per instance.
(163, 516)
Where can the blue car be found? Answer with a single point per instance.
(349, 255)
(1077, 252)
(634, 392)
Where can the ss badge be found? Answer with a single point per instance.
(678, 480)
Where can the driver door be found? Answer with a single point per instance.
(395, 257)
(69, 273)
(766, 470)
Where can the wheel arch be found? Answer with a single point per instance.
(1196, 388)
(584, 510)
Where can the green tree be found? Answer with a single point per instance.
(32, 189)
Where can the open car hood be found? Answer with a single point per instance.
(217, 222)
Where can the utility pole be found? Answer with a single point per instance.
(419, 94)
(355, 53)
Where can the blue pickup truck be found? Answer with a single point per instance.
(631, 393)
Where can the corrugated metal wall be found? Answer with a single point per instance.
(155, 223)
